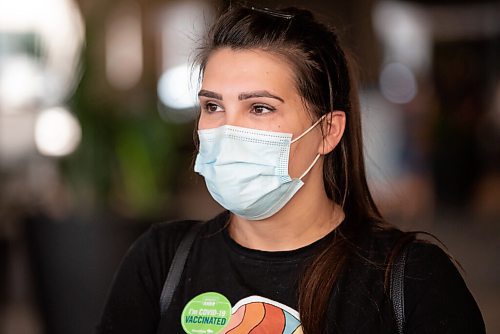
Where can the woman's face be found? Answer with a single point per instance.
(256, 89)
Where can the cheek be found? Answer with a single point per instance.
(303, 153)
(209, 121)
(201, 123)
(297, 160)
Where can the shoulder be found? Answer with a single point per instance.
(376, 244)
(132, 304)
(161, 236)
(429, 269)
(437, 298)
(436, 294)
(429, 266)
(166, 236)
(157, 245)
(382, 244)
(423, 258)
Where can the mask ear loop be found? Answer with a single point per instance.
(308, 130)
(302, 135)
(310, 167)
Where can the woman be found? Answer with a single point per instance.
(302, 247)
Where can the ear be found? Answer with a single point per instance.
(333, 126)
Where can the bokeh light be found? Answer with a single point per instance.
(57, 31)
(182, 24)
(57, 132)
(405, 31)
(124, 64)
(177, 87)
(21, 83)
(398, 83)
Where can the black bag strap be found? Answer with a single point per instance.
(175, 272)
(397, 289)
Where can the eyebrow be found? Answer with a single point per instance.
(258, 93)
(241, 96)
(210, 94)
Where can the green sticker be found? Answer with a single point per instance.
(207, 313)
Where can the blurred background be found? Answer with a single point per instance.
(96, 128)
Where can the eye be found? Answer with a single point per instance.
(260, 109)
(211, 107)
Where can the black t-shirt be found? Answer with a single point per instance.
(261, 286)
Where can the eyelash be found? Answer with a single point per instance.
(206, 107)
(267, 107)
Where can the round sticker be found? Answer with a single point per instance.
(207, 313)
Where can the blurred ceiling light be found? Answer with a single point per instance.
(59, 33)
(124, 46)
(397, 83)
(57, 132)
(404, 29)
(21, 83)
(182, 25)
(26, 15)
(177, 87)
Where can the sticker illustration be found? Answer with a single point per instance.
(259, 315)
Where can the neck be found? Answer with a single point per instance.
(308, 217)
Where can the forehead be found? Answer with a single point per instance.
(248, 69)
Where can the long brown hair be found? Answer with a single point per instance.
(323, 76)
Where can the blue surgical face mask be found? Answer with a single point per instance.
(246, 170)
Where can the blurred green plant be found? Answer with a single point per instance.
(130, 161)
